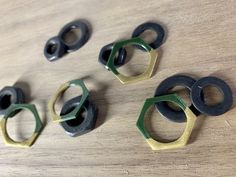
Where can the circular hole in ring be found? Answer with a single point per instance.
(5, 101)
(21, 126)
(212, 95)
(106, 54)
(137, 61)
(72, 36)
(161, 129)
(51, 49)
(149, 36)
(79, 119)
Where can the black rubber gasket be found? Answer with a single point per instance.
(58, 51)
(105, 53)
(10, 95)
(164, 88)
(151, 26)
(79, 126)
(199, 102)
(85, 34)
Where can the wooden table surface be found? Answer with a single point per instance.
(200, 41)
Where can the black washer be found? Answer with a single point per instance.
(164, 88)
(105, 53)
(54, 49)
(151, 26)
(79, 125)
(10, 95)
(199, 102)
(85, 34)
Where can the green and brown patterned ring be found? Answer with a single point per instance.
(183, 139)
(137, 42)
(11, 111)
(71, 115)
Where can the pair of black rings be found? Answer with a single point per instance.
(122, 53)
(84, 122)
(196, 94)
(56, 46)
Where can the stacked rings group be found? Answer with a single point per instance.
(78, 115)
(84, 122)
(120, 58)
(12, 100)
(56, 46)
(196, 94)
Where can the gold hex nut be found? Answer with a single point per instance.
(183, 139)
(131, 79)
(59, 92)
(11, 111)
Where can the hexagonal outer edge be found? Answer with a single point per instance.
(147, 73)
(183, 139)
(38, 128)
(63, 88)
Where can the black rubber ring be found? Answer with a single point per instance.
(199, 102)
(164, 88)
(85, 34)
(151, 26)
(8, 96)
(105, 53)
(54, 49)
(79, 126)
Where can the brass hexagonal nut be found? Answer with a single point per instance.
(38, 128)
(183, 139)
(137, 42)
(71, 115)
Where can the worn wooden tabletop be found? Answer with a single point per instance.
(200, 41)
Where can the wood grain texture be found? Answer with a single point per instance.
(201, 41)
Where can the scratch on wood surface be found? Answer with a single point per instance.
(227, 123)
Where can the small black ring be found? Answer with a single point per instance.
(199, 102)
(54, 49)
(151, 26)
(164, 88)
(105, 53)
(85, 34)
(76, 127)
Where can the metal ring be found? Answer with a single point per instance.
(62, 89)
(85, 34)
(147, 73)
(80, 125)
(10, 95)
(199, 102)
(151, 26)
(183, 139)
(105, 53)
(54, 49)
(11, 111)
(164, 87)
